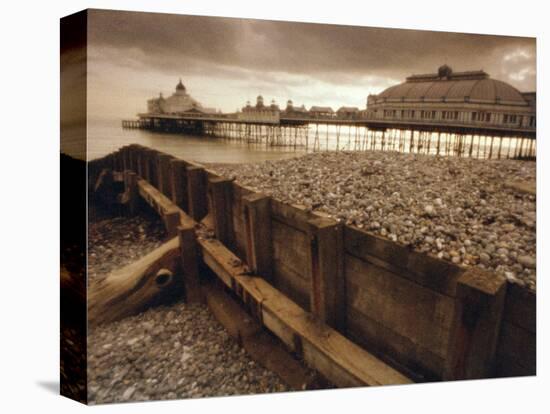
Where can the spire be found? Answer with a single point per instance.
(179, 86)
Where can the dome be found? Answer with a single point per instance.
(453, 88)
(445, 71)
(489, 90)
(179, 86)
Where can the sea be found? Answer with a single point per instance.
(107, 135)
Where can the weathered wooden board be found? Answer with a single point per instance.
(516, 351)
(237, 208)
(291, 266)
(520, 307)
(397, 350)
(335, 357)
(420, 268)
(406, 309)
(517, 345)
(130, 289)
(294, 216)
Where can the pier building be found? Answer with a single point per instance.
(471, 99)
(180, 102)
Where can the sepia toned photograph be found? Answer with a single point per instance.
(258, 206)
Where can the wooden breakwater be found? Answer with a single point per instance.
(425, 318)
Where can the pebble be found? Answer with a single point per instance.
(451, 202)
(527, 261)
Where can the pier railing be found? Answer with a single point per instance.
(360, 308)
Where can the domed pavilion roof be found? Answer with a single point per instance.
(449, 86)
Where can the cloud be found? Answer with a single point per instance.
(228, 60)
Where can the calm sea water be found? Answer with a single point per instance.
(107, 136)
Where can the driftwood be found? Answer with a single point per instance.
(131, 289)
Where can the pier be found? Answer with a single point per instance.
(464, 114)
(317, 134)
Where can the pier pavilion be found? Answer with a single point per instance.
(471, 101)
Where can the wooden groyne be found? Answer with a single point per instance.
(360, 309)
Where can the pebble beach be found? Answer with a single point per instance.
(168, 352)
(457, 209)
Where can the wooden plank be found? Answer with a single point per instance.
(425, 270)
(516, 351)
(190, 264)
(327, 289)
(291, 215)
(178, 181)
(164, 174)
(338, 359)
(130, 197)
(220, 190)
(239, 228)
(196, 187)
(410, 310)
(474, 336)
(259, 344)
(259, 248)
(520, 307)
(291, 267)
(158, 201)
(417, 362)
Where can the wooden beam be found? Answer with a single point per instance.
(130, 197)
(335, 357)
(478, 313)
(178, 181)
(261, 346)
(220, 191)
(129, 290)
(196, 192)
(190, 263)
(163, 172)
(327, 295)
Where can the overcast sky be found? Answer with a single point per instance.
(224, 62)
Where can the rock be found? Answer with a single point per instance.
(527, 261)
(484, 258)
(429, 210)
(128, 393)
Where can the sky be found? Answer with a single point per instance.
(224, 62)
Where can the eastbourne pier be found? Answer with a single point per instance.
(465, 114)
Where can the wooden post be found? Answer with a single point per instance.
(219, 190)
(178, 169)
(138, 155)
(153, 168)
(125, 158)
(163, 172)
(131, 193)
(327, 293)
(171, 220)
(259, 248)
(190, 264)
(479, 303)
(196, 192)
